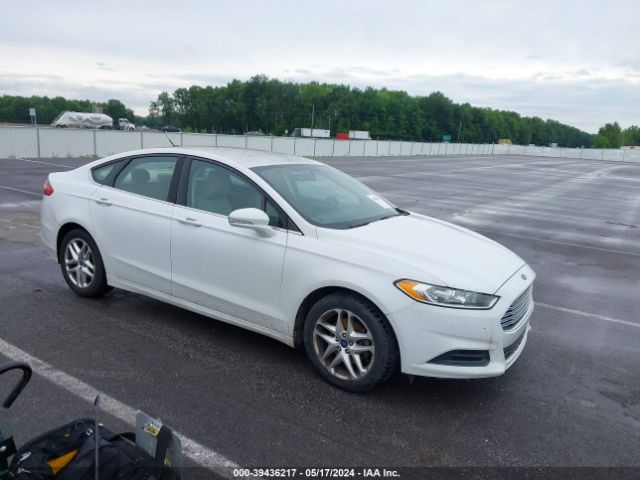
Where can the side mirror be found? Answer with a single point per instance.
(252, 218)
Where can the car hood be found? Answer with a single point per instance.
(431, 250)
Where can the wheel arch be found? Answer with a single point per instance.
(313, 297)
(64, 229)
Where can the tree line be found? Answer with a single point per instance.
(277, 107)
(15, 109)
(612, 136)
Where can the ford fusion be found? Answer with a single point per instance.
(296, 250)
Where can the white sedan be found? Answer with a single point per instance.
(296, 250)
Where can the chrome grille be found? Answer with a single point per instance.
(517, 310)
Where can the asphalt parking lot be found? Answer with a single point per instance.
(572, 399)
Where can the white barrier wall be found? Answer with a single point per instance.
(19, 142)
(157, 139)
(58, 143)
(371, 148)
(341, 148)
(198, 139)
(384, 148)
(259, 143)
(356, 148)
(283, 145)
(593, 154)
(108, 143)
(304, 146)
(237, 141)
(325, 147)
(30, 142)
(394, 148)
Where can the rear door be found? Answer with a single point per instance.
(131, 214)
(231, 270)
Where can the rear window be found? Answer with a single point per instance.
(147, 176)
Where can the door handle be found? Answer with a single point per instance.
(190, 221)
(103, 201)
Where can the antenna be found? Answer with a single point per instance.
(169, 138)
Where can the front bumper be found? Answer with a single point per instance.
(425, 332)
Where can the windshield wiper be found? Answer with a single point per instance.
(356, 225)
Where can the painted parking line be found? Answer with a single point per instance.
(590, 315)
(21, 191)
(41, 162)
(200, 454)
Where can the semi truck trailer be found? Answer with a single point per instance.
(311, 133)
(69, 119)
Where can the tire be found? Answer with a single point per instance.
(362, 332)
(78, 253)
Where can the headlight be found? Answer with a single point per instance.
(445, 296)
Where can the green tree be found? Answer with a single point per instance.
(276, 107)
(631, 136)
(163, 108)
(600, 141)
(116, 109)
(609, 136)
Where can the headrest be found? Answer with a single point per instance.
(218, 183)
(140, 175)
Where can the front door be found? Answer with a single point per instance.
(231, 270)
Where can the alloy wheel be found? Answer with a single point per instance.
(344, 344)
(79, 263)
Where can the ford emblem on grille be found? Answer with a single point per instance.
(524, 277)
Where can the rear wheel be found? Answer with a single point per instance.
(350, 342)
(81, 264)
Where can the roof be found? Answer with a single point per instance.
(243, 156)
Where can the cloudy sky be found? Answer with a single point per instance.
(574, 61)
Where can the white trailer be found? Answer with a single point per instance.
(91, 120)
(359, 135)
(82, 120)
(311, 133)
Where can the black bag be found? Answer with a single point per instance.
(68, 453)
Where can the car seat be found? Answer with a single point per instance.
(139, 183)
(213, 195)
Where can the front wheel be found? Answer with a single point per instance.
(81, 264)
(350, 342)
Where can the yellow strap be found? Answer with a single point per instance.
(59, 463)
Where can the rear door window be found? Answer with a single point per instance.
(147, 176)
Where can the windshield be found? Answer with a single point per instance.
(325, 196)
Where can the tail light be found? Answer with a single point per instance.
(48, 189)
